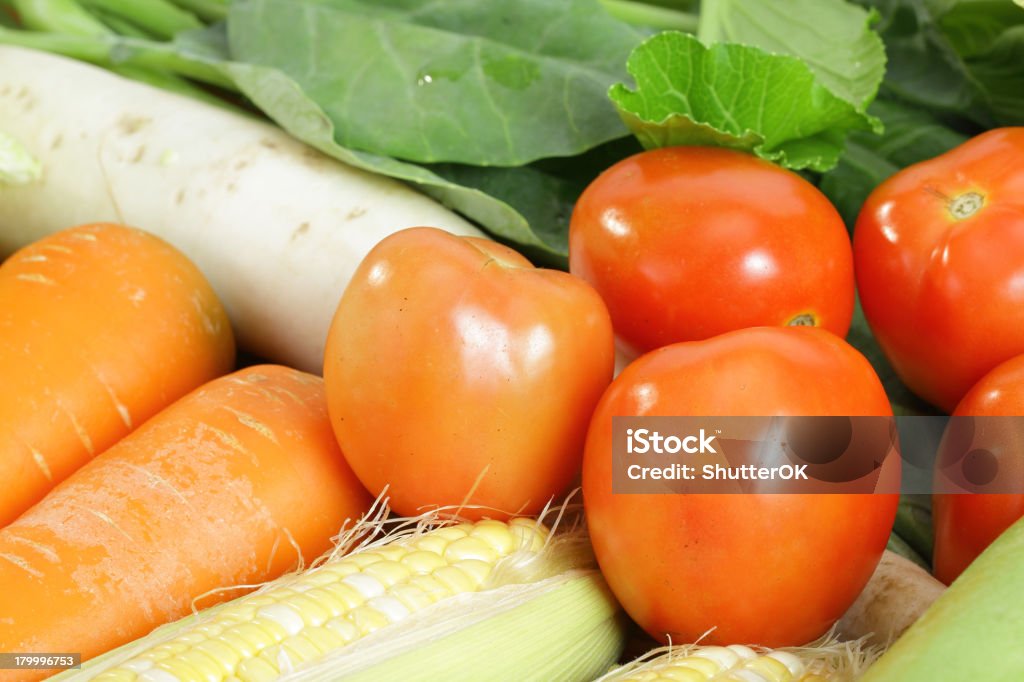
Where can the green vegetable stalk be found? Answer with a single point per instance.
(17, 166)
(975, 629)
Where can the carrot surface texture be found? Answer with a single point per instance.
(101, 326)
(226, 487)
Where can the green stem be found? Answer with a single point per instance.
(207, 10)
(661, 18)
(7, 14)
(172, 83)
(122, 26)
(159, 17)
(58, 16)
(114, 51)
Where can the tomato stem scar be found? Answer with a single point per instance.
(966, 205)
(803, 320)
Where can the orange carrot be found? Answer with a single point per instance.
(223, 488)
(101, 326)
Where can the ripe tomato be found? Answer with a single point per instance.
(775, 569)
(684, 243)
(939, 254)
(966, 524)
(453, 366)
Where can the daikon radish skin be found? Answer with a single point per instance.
(277, 227)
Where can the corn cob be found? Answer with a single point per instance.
(826, 661)
(436, 605)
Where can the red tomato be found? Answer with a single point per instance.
(453, 366)
(939, 254)
(774, 569)
(966, 524)
(685, 243)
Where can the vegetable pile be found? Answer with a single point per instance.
(458, 243)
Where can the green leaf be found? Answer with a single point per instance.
(914, 524)
(462, 81)
(999, 73)
(911, 135)
(734, 96)
(972, 26)
(519, 193)
(923, 68)
(283, 100)
(899, 546)
(903, 401)
(833, 37)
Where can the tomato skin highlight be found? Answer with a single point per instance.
(454, 366)
(684, 243)
(966, 524)
(776, 569)
(941, 286)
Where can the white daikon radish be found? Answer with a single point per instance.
(277, 227)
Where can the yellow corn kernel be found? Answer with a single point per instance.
(470, 548)
(117, 675)
(344, 628)
(139, 665)
(301, 649)
(254, 600)
(392, 552)
(411, 596)
(478, 571)
(723, 657)
(284, 616)
(242, 644)
(433, 588)
(315, 579)
(340, 568)
(172, 648)
(324, 638)
(496, 534)
(254, 636)
(736, 663)
(365, 584)
(795, 666)
(453, 533)
(433, 544)
(422, 563)
(261, 632)
(223, 654)
(368, 619)
(258, 670)
(300, 619)
(529, 535)
(388, 572)
(243, 612)
(346, 594)
(680, 675)
(702, 665)
(312, 613)
(364, 559)
(196, 666)
(455, 580)
(327, 600)
(770, 669)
